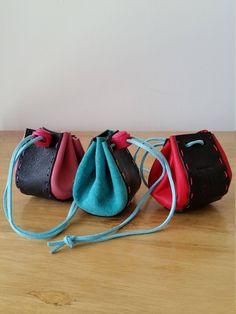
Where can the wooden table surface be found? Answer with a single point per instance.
(186, 268)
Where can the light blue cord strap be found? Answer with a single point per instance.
(25, 140)
(7, 199)
(160, 142)
(142, 169)
(190, 144)
(71, 241)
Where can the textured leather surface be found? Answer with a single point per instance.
(126, 165)
(66, 164)
(162, 193)
(35, 166)
(207, 173)
(201, 173)
(99, 188)
(106, 179)
(128, 170)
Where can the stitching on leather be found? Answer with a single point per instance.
(180, 152)
(187, 166)
(131, 158)
(221, 161)
(135, 166)
(48, 172)
(122, 174)
(20, 161)
(189, 177)
(24, 155)
(18, 172)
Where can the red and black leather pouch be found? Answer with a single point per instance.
(200, 170)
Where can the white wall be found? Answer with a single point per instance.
(128, 64)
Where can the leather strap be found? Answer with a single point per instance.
(34, 168)
(207, 173)
(126, 165)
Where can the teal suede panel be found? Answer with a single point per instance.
(99, 188)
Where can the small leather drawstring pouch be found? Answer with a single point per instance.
(199, 167)
(47, 168)
(107, 178)
(45, 164)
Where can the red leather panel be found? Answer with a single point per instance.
(162, 193)
(67, 161)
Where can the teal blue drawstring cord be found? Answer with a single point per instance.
(71, 241)
(7, 198)
(160, 142)
(190, 144)
(147, 140)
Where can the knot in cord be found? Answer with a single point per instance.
(69, 241)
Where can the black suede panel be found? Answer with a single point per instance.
(206, 171)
